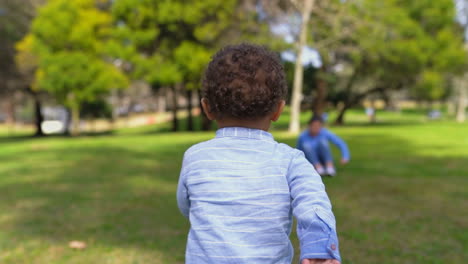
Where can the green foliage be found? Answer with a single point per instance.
(77, 77)
(444, 42)
(391, 45)
(169, 42)
(71, 25)
(191, 60)
(431, 86)
(66, 45)
(443, 48)
(96, 109)
(15, 17)
(147, 33)
(155, 69)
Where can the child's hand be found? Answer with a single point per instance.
(344, 161)
(320, 261)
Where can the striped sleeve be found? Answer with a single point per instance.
(315, 220)
(183, 201)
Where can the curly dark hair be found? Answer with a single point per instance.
(244, 81)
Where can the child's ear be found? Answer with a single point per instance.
(276, 114)
(206, 109)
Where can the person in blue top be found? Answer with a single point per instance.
(314, 142)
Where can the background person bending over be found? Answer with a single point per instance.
(314, 142)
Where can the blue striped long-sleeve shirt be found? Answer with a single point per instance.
(240, 191)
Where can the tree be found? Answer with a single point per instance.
(460, 83)
(373, 47)
(462, 94)
(168, 43)
(383, 51)
(57, 75)
(68, 39)
(291, 20)
(146, 37)
(328, 25)
(431, 86)
(191, 59)
(27, 65)
(397, 45)
(446, 58)
(306, 6)
(15, 18)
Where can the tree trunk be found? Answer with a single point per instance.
(340, 118)
(75, 119)
(10, 110)
(349, 99)
(319, 104)
(162, 100)
(451, 107)
(38, 117)
(189, 110)
(175, 119)
(388, 101)
(68, 120)
(296, 97)
(75, 114)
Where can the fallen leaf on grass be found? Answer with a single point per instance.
(77, 244)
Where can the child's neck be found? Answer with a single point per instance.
(262, 124)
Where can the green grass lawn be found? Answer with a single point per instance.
(402, 199)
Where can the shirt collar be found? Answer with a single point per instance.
(243, 132)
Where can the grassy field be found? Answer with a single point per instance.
(402, 199)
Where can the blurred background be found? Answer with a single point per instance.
(99, 99)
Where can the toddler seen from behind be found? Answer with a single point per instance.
(241, 189)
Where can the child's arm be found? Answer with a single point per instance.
(337, 141)
(315, 221)
(182, 193)
(299, 144)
